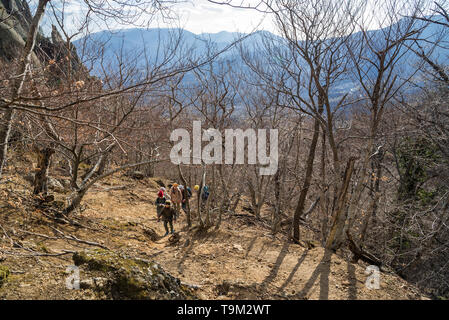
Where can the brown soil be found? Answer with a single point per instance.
(239, 261)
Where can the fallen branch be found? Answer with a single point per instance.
(14, 243)
(39, 235)
(73, 238)
(361, 254)
(39, 254)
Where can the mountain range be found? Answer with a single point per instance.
(141, 45)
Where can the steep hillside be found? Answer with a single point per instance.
(118, 228)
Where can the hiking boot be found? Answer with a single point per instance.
(165, 234)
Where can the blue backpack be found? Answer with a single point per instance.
(205, 194)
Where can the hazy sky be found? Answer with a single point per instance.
(202, 16)
(197, 16)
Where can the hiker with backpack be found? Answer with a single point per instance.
(205, 193)
(168, 215)
(160, 201)
(186, 195)
(176, 198)
(166, 195)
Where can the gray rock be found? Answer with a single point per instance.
(130, 278)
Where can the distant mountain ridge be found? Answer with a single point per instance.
(153, 40)
(132, 41)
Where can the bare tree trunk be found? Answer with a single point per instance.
(277, 207)
(305, 188)
(374, 202)
(41, 177)
(335, 236)
(199, 200)
(5, 129)
(211, 198)
(184, 182)
(103, 163)
(323, 199)
(354, 203)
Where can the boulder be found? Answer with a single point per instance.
(131, 278)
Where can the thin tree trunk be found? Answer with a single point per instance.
(355, 201)
(184, 182)
(374, 203)
(335, 236)
(305, 188)
(277, 207)
(41, 177)
(323, 199)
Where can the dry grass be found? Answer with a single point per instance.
(241, 260)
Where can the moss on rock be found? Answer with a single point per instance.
(132, 278)
(4, 274)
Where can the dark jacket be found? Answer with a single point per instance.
(160, 200)
(167, 214)
(189, 194)
(159, 204)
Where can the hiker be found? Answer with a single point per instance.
(166, 195)
(160, 201)
(205, 193)
(176, 198)
(168, 215)
(184, 198)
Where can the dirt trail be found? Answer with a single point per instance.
(241, 260)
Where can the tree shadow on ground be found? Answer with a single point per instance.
(322, 270)
(274, 271)
(352, 290)
(250, 246)
(292, 273)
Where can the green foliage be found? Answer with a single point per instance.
(4, 274)
(426, 196)
(415, 157)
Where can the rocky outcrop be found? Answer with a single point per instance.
(129, 278)
(15, 20)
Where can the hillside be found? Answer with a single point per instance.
(240, 261)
